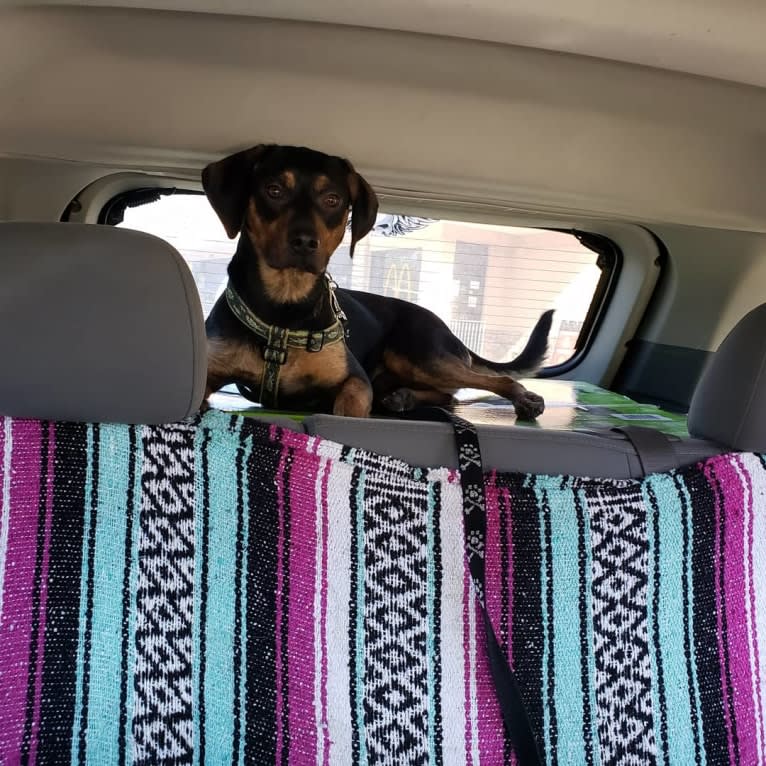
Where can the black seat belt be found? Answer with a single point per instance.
(654, 448)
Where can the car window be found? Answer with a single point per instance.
(489, 283)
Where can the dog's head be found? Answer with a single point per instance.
(292, 203)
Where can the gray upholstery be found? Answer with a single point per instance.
(97, 324)
(604, 454)
(729, 403)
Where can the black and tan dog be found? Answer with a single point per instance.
(284, 334)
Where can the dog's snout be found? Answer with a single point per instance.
(304, 243)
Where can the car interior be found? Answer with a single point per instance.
(602, 160)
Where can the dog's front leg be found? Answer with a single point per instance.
(354, 399)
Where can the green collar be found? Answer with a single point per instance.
(279, 339)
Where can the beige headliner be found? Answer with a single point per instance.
(715, 38)
(437, 117)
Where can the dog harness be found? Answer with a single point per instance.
(279, 339)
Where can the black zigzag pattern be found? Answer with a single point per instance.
(395, 621)
(620, 556)
(162, 713)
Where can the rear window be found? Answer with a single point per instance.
(489, 283)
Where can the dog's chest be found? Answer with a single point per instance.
(302, 375)
(304, 370)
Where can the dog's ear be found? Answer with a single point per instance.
(364, 207)
(227, 186)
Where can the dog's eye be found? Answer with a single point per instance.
(275, 191)
(332, 200)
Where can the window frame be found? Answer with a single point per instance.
(608, 251)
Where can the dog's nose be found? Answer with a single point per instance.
(304, 243)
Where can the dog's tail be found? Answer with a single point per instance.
(528, 362)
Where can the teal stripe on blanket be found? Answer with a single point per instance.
(114, 458)
(215, 559)
(105, 658)
(568, 694)
(668, 618)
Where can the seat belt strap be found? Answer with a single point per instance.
(654, 448)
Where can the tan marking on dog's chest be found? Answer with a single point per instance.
(324, 369)
(303, 369)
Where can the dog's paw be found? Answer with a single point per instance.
(529, 405)
(401, 400)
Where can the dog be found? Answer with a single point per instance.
(289, 338)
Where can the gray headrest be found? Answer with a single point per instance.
(97, 324)
(729, 403)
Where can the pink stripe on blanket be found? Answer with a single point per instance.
(323, 625)
(279, 659)
(469, 675)
(499, 583)
(17, 617)
(752, 570)
(493, 574)
(490, 720)
(300, 649)
(730, 604)
(737, 590)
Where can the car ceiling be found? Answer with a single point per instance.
(521, 126)
(712, 38)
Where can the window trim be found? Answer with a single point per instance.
(606, 249)
(113, 212)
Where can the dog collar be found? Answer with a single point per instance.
(279, 339)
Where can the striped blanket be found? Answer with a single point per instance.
(224, 591)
